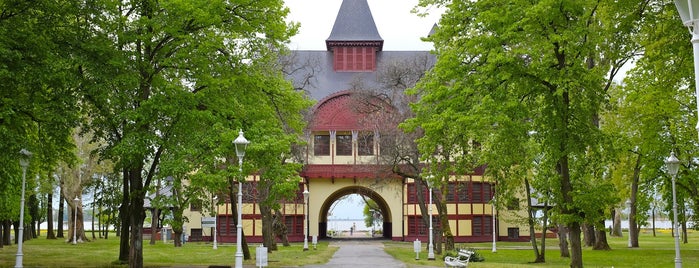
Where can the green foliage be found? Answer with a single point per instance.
(520, 86)
(368, 211)
(37, 101)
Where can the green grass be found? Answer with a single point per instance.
(653, 252)
(101, 253)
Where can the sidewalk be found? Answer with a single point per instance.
(360, 253)
(359, 250)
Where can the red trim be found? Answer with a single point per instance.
(347, 171)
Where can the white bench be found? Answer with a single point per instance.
(461, 260)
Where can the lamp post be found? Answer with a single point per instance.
(689, 13)
(240, 145)
(75, 221)
(305, 231)
(215, 212)
(24, 162)
(673, 165)
(430, 246)
(495, 249)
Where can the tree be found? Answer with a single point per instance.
(148, 68)
(529, 66)
(38, 107)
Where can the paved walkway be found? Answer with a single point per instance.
(360, 253)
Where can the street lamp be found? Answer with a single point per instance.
(689, 10)
(495, 248)
(673, 165)
(24, 162)
(240, 145)
(75, 222)
(430, 246)
(305, 233)
(215, 212)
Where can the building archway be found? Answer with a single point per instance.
(387, 224)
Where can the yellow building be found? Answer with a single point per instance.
(343, 153)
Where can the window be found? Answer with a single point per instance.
(412, 193)
(416, 226)
(196, 235)
(354, 59)
(195, 205)
(481, 192)
(294, 224)
(513, 233)
(321, 144)
(365, 144)
(512, 203)
(344, 144)
(456, 192)
(482, 225)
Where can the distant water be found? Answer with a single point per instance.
(345, 224)
(86, 224)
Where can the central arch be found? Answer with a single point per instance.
(387, 224)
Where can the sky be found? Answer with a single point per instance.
(400, 29)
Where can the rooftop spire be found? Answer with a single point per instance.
(354, 25)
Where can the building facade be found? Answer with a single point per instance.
(343, 155)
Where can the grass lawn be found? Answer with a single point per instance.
(653, 252)
(101, 253)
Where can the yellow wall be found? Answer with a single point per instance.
(321, 189)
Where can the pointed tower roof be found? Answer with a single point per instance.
(354, 26)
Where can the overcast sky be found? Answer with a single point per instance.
(400, 29)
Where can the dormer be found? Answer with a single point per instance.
(354, 40)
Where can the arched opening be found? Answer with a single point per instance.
(383, 209)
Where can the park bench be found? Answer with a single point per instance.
(461, 260)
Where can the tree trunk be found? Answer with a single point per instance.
(15, 224)
(268, 237)
(684, 232)
(633, 225)
(178, 224)
(280, 229)
(267, 227)
(601, 238)
(653, 217)
(94, 197)
(575, 245)
(76, 228)
(538, 258)
(569, 208)
(563, 241)
(61, 205)
(616, 227)
(123, 230)
(50, 234)
(136, 216)
(589, 234)
(6, 240)
(2, 234)
(444, 228)
(155, 214)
